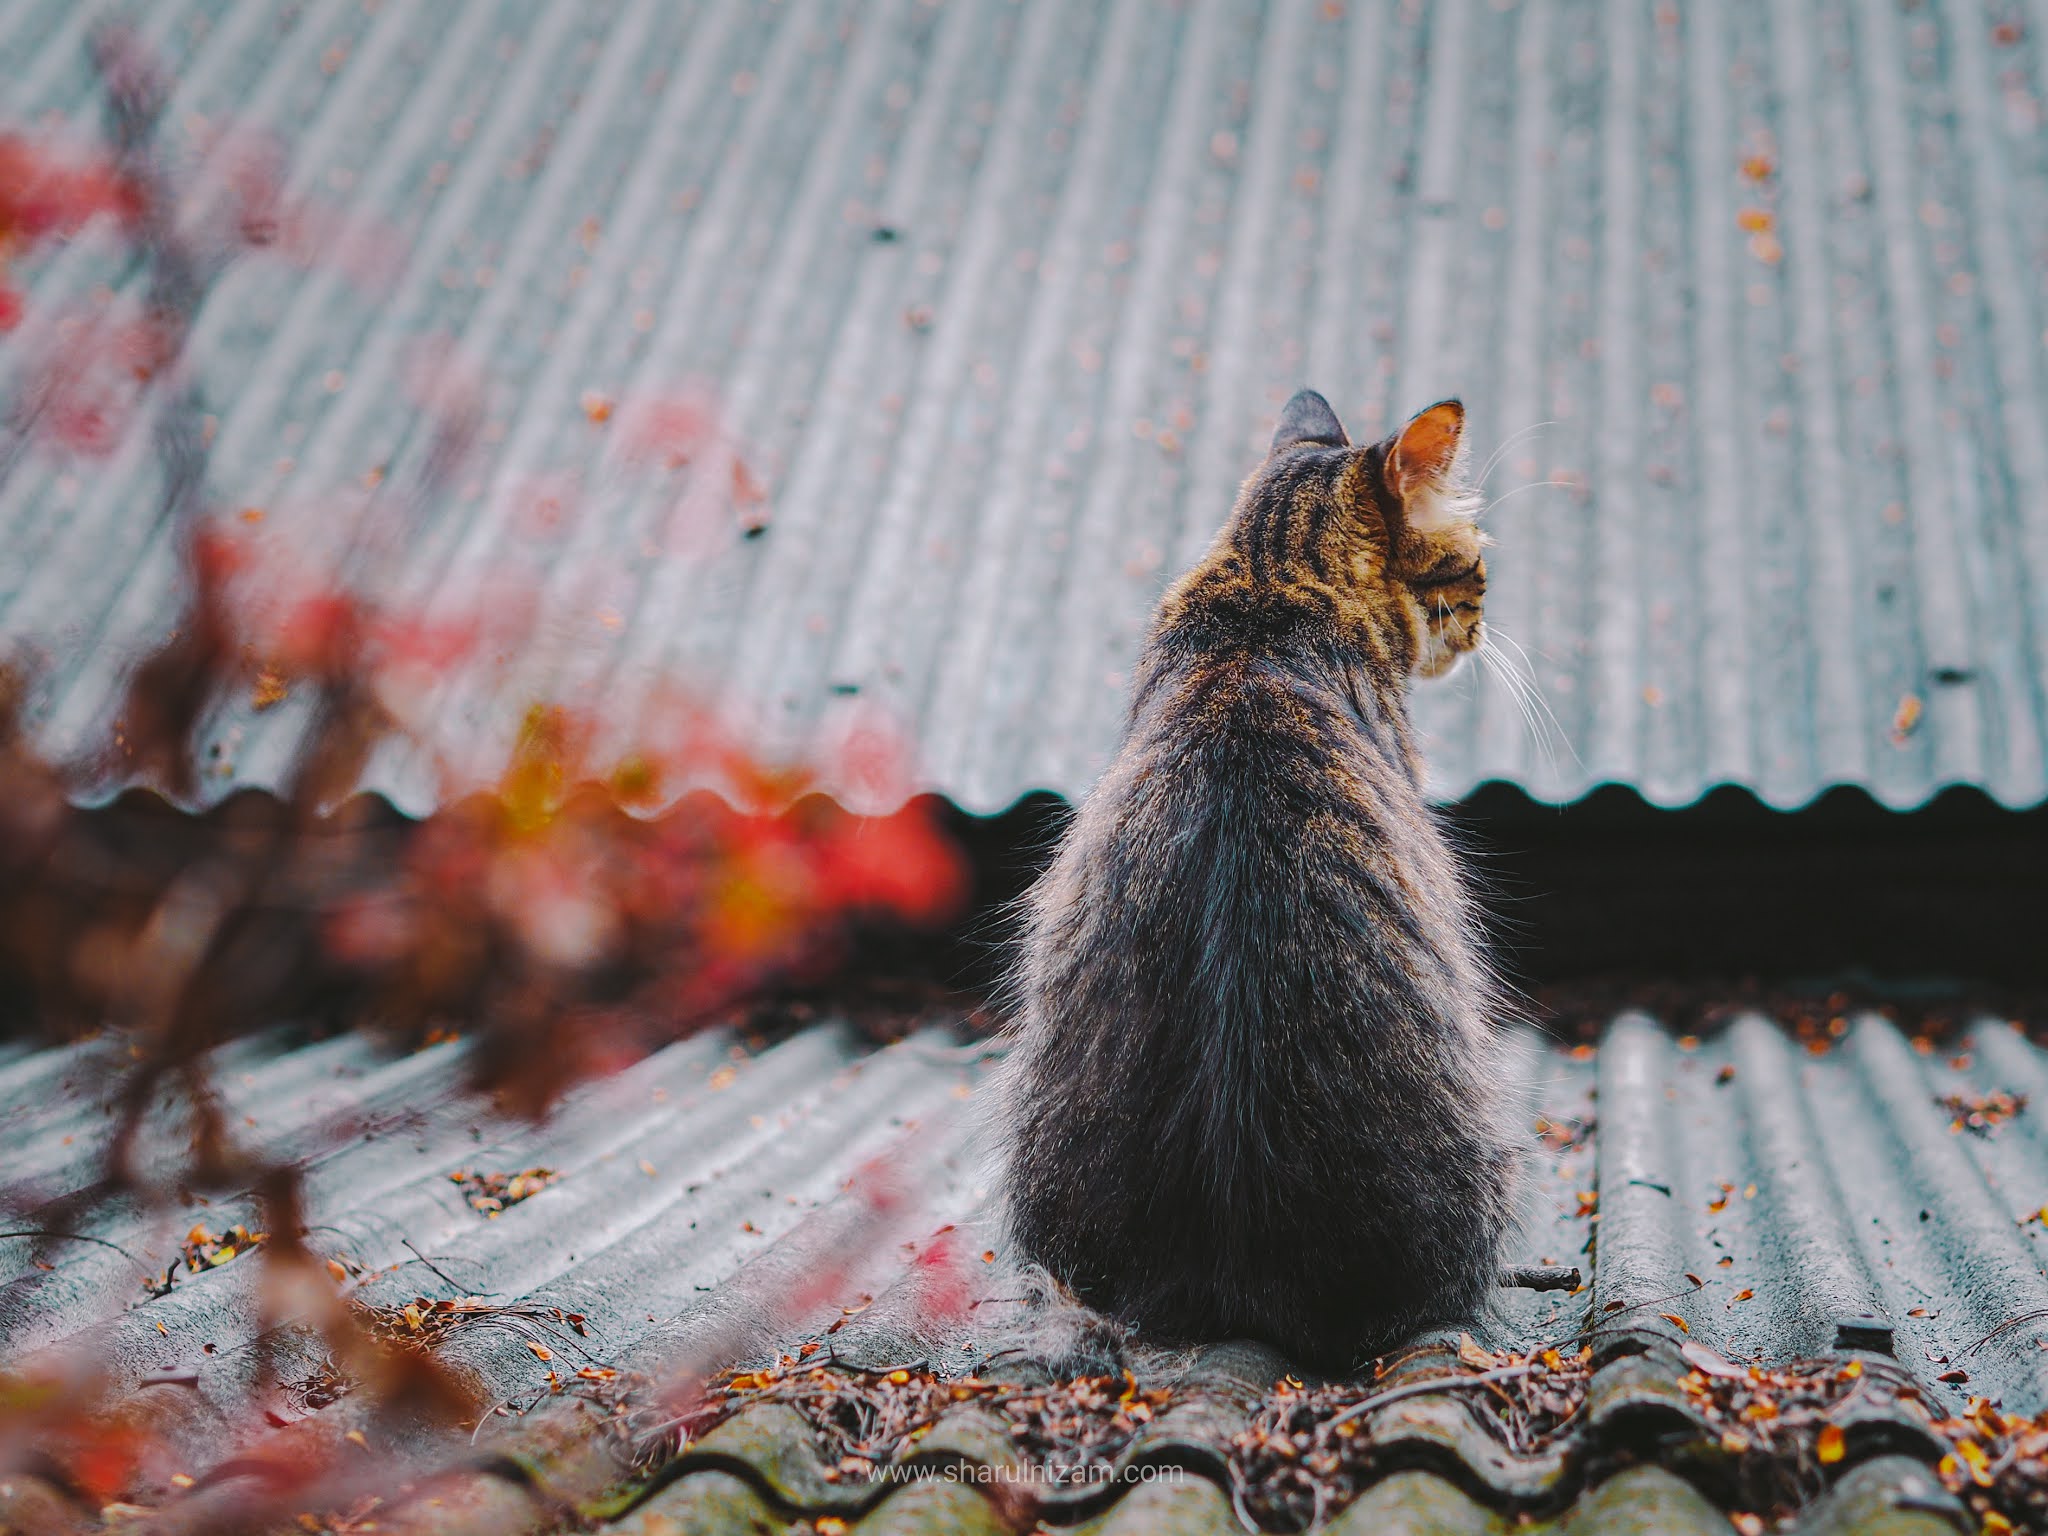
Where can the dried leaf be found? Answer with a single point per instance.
(1704, 1359)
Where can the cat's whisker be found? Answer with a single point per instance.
(1533, 485)
(1516, 690)
(1512, 438)
(1530, 706)
(1527, 679)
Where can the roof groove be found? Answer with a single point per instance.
(1945, 633)
(714, 299)
(1614, 721)
(1000, 547)
(1722, 655)
(1805, 1214)
(918, 494)
(1840, 633)
(550, 409)
(797, 314)
(2013, 377)
(868, 336)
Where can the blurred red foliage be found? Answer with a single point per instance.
(569, 911)
(47, 192)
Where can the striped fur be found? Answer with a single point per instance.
(1256, 1085)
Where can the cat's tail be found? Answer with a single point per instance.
(1041, 1326)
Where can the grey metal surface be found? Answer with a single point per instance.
(707, 1181)
(1805, 469)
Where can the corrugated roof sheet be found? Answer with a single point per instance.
(1830, 1204)
(1001, 300)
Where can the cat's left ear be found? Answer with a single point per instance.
(1307, 418)
(1420, 467)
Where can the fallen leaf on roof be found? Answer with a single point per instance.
(1982, 1113)
(490, 1193)
(1906, 718)
(1675, 1321)
(1704, 1359)
(1469, 1352)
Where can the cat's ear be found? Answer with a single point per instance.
(1307, 418)
(1420, 469)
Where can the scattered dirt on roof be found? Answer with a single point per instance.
(1309, 1451)
(1816, 1016)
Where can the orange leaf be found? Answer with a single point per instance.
(1830, 1446)
(1675, 1321)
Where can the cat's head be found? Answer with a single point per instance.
(1404, 538)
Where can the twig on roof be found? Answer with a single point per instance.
(467, 1291)
(80, 1237)
(1424, 1388)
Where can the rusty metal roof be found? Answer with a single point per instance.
(1833, 1206)
(1000, 300)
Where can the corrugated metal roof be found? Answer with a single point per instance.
(1001, 300)
(1829, 1203)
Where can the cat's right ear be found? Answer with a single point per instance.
(1421, 467)
(1307, 418)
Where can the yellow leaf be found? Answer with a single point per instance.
(1675, 1321)
(540, 1351)
(1979, 1462)
(220, 1258)
(1830, 1446)
(412, 1317)
(160, 1328)
(355, 1437)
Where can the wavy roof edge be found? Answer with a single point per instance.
(381, 805)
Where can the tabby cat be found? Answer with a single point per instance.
(1257, 1086)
